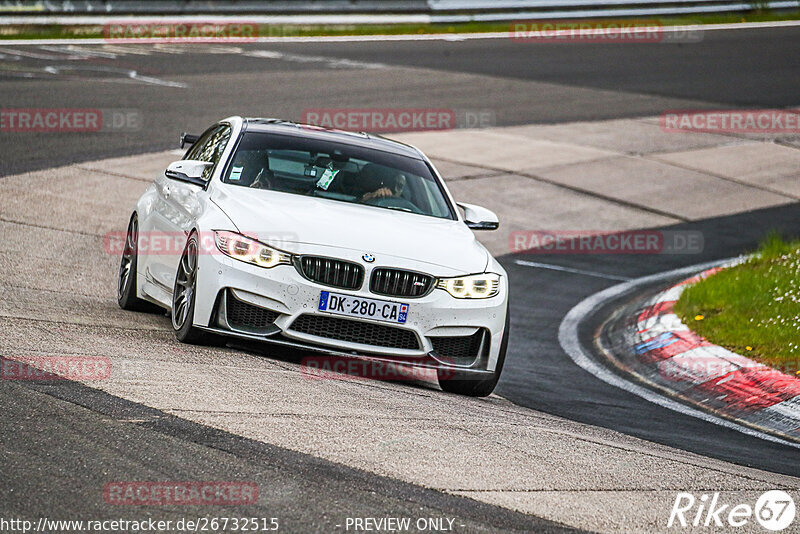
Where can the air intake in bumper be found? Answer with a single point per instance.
(356, 332)
(461, 350)
(243, 316)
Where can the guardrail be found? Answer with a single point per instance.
(370, 11)
(121, 7)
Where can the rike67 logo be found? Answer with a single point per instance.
(774, 510)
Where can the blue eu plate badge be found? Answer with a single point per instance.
(353, 306)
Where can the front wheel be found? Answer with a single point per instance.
(183, 297)
(463, 383)
(126, 280)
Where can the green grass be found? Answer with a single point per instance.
(753, 308)
(54, 31)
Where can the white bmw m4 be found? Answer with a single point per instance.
(339, 243)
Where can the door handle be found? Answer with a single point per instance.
(166, 192)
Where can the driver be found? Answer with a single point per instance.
(391, 186)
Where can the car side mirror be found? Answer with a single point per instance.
(188, 170)
(188, 139)
(478, 218)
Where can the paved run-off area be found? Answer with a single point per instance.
(610, 175)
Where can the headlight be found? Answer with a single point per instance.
(476, 286)
(249, 250)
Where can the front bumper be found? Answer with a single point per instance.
(432, 319)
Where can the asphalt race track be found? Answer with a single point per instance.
(177, 88)
(544, 383)
(521, 83)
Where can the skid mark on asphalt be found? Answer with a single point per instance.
(552, 267)
(28, 54)
(122, 73)
(76, 52)
(25, 61)
(737, 181)
(79, 64)
(95, 73)
(330, 62)
(119, 174)
(45, 227)
(575, 189)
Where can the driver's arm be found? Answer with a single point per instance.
(379, 193)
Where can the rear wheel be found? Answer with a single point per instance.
(183, 297)
(126, 281)
(468, 384)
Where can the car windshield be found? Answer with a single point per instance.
(337, 171)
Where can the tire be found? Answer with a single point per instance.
(126, 280)
(183, 297)
(466, 384)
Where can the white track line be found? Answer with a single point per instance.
(570, 342)
(412, 37)
(552, 267)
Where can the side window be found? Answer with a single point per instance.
(199, 144)
(210, 147)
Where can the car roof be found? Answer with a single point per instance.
(308, 131)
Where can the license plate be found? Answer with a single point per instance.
(380, 310)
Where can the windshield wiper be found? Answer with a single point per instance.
(396, 208)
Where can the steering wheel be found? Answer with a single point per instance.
(399, 203)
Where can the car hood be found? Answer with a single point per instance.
(288, 221)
